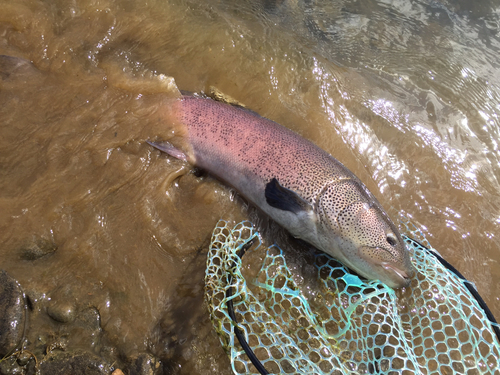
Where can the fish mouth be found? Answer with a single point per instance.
(393, 273)
(401, 274)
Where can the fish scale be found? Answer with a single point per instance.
(299, 185)
(208, 132)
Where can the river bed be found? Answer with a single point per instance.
(108, 237)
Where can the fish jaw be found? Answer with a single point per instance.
(402, 277)
(383, 263)
(357, 231)
(365, 261)
(390, 273)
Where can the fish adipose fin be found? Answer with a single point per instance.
(169, 149)
(285, 199)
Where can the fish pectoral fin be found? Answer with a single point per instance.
(168, 148)
(285, 199)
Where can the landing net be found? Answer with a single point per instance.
(350, 325)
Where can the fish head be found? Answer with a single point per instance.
(361, 235)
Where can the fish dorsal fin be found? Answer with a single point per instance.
(285, 199)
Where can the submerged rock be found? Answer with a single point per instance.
(24, 357)
(15, 66)
(9, 366)
(12, 314)
(145, 364)
(77, 363)
(62, 312)
(36, 248)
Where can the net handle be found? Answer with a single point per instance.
(230, 309)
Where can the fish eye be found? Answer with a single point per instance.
(391, 239)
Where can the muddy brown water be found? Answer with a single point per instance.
(405, 94)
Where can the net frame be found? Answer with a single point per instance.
(353, 326)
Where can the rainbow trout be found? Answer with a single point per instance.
(300, 186)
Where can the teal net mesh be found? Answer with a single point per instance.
(350, 325)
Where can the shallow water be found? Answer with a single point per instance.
(405, 94)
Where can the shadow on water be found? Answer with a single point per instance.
(187, 322)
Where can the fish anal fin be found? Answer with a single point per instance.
(170, 149)
(285, 199)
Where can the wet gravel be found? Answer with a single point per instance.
(52, 348)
